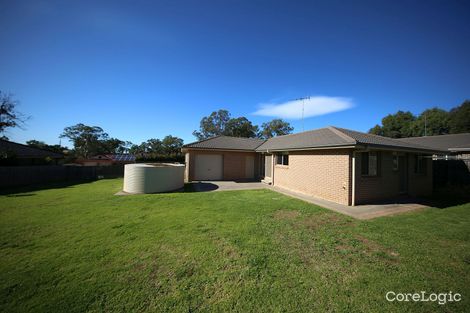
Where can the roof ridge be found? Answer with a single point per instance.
(368, 134)
(303, 132)
(338, 132)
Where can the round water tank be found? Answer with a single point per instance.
(153, 177)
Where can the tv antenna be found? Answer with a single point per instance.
(303, 109)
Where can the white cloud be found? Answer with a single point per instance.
(313, 106)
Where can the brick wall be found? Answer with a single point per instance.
(323, 173)
(233, 164)
(419, 184)
(387, 184)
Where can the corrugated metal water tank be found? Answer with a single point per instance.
(153, 177)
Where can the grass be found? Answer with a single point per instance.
(80, 248)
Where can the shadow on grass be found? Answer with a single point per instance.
(448, 197)
(26, 191)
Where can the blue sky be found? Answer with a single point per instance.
(146, 69)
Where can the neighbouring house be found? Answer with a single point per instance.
(452, 165)
(16, 154)
(335, 164)
(454, 146)
(107, 160)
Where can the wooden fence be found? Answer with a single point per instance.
(13, 176)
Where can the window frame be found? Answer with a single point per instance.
(421, 165)
(395, 162)
(367, 173)
(282, 159)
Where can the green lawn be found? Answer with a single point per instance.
(80, 248)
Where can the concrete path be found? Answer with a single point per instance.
(362, 212)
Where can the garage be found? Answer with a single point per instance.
(208, 167)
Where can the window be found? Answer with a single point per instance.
(369, 163)
(420, 164)
(282, 159)
(395, 161)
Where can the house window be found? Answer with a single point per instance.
(420, 164)
(369, 163)
(282, 159)
(395, 161)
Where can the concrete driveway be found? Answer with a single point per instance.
(362, 212)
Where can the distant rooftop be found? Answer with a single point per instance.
(453, 142)
(24, 151)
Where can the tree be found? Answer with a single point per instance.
(212, 125)
(276, 127)
(398, 125)
(138, 150)
(154, 146)
(240, 127)
(376, 130)
(45, 146)
(459, 118)
(87, 140)
(113, 146)
(9, 116)
(431, 122)
(172, 145)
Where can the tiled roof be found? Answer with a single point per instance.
(227, 143)
(323, 137)
(318, 138)
(453, 142)
(375, 140)
(24, 151)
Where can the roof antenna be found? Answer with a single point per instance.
(303, 110)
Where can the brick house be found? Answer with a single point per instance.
(335, 164)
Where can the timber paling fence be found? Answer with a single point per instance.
(14, 176)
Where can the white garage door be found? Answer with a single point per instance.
(208, 167)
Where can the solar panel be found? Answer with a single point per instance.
(123, 157)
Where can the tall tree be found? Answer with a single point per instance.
(212, 125)
(398, 125)
(240, 127)
(459, 118)
(87, 140)
(276, 127)
(113, 146)
(154, 146)
(172, 145)
(10, 117)
(431, 122)
(138, 150)
(377, 130)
